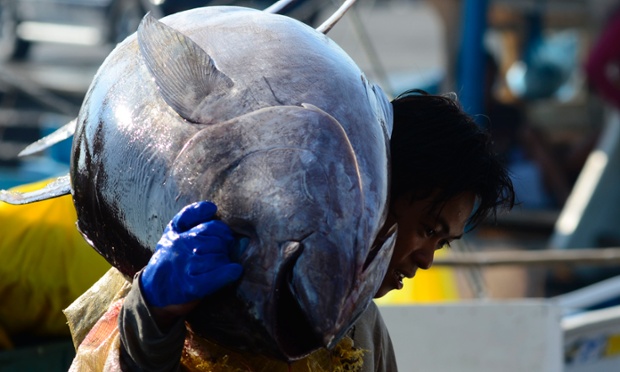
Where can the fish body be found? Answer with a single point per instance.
(274, 123)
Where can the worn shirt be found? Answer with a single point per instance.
(144, 347)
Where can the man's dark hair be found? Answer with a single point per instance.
(435, 145)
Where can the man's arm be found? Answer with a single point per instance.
(145, 345)
(191, 262)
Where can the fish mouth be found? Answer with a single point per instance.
(295, 317)
(289, 313)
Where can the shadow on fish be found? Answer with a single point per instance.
(271, 120)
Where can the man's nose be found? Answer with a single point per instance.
(424, 257)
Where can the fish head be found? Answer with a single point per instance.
(291, 185)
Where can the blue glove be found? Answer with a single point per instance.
(191, 260)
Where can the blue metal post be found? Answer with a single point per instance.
(471, 66)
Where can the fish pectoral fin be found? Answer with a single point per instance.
(59, 187)
(58, 135)
(184, 72)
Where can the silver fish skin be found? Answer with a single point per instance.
(271, 120)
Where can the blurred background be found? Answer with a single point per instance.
(542, 75)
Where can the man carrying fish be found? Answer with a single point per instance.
(445, 180)
(312, 169)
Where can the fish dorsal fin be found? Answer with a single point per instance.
(53, 138)
(184, 73)
(61, 186)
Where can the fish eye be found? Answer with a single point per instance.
(239, 247)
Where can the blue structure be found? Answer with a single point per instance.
(471, 64)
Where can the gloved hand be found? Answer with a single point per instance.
(191, 260)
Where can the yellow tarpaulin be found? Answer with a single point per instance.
(46, 265)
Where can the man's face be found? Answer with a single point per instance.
(421, 231)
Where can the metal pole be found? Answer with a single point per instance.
(547, 257)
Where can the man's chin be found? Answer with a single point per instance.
(382, 291)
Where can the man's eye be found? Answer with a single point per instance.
(430, 232)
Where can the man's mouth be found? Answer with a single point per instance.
(400, 276)
(399, 279)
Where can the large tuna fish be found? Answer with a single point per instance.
(272, 121)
